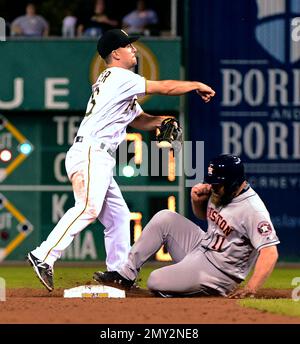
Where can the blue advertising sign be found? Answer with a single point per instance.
(249, 52)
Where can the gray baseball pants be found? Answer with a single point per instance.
(191, 272)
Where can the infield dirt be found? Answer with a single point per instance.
(38, 306)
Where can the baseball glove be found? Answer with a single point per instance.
(169, 134)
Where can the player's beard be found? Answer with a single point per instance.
(216, 199)
(222, 197)
(220, 200)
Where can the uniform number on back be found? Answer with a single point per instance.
(92, 102)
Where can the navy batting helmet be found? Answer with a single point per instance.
(226, 169)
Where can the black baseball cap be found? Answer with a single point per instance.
(112, 40)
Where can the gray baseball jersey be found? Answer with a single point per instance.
(237, 232)
(205, 262)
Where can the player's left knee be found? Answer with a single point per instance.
(164, 216)
(154, 280)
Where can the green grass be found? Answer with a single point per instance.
(281, 278)
(68, 277)
(278, 306)
(64, 277)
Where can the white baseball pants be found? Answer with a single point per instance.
(97, 196)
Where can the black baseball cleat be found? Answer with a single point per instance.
(114, 279)
(43, 271)
(162, 294)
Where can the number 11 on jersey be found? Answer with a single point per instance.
(218, 243)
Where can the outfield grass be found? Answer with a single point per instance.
(281, 278)
(278, 306)
(68, 277)
(65, 277)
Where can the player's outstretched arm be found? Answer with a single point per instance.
(263, 268)
(147, 122)
(179, 87)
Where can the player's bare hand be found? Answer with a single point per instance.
(241, 293)
(200, 192)
(205, 92)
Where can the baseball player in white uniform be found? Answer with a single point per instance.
(89, 162)
(240, 235)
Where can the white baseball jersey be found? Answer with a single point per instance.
(237, 232)
(112, 106)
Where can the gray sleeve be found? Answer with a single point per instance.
(153, 18)
(16, 21)
(126, 19)
(260, 229)
(44, 22)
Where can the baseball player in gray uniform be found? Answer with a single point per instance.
(240, 235)
(90, 161)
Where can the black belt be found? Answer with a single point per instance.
(103, 146)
